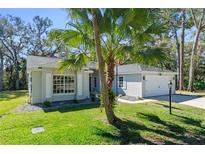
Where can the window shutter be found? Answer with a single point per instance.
(48, 85)
(79, 84)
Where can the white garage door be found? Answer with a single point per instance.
(157, 85)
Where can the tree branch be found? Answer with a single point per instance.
(194, 18)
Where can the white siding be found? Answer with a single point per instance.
(79, 83)
(132, 85)
(155, 85)
(55, 97)
(42, 86)
(36, 87)
(48, 85)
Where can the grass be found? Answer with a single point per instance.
(147, 123)
(11, 99)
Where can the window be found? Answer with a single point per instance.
(90, 82)
(63, 84)
(120, 81)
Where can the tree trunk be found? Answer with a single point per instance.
(17, 75)
(178, 62)
(181, 61)
(110, 70)
(104, 92)
(178, 52)
(194, 48)
(1, 71)
(192, 61)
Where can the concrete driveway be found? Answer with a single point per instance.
(191, 100)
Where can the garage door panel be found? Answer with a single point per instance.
(157, 85)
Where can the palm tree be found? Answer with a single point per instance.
(104, 92)
(118, 31)
(81, 41)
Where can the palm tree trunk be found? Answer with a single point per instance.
(1, 71)
(181, 61)
(110, 70)
(104, 92)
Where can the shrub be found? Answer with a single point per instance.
(199, 85)
(111, 95)
(47, 103)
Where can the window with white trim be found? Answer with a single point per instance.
(121, 81)
(63, 84)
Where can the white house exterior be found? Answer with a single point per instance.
(142, 81)
(46, 83)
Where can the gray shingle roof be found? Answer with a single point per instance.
(137, 68)
(37, 61)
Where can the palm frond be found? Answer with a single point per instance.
(150, 56)
(73, 62)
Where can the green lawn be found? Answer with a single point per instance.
(147, 123)
(11, 99)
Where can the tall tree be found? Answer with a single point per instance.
(1, 69)
(83, 37)
(114, 40)
(104, 92)
(122, 36)
(181, 55)
(198, 18)
(38, 38)
(14, 38)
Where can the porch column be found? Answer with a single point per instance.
(79, 84)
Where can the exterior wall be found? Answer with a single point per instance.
(157, 84)
(86, 92)
(36, 90)
(85, 86)
(39, 86)
(55, 97)
(95, 74)
(133, 85)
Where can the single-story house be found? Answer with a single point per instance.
(143, 81)
(46, 83)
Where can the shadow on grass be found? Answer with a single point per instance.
(192, 122)
(129, 132)
(8, 95)
(167, 106)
